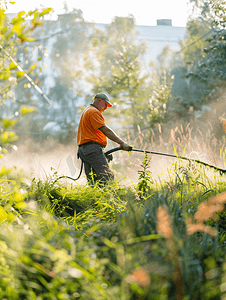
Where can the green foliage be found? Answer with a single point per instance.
(197, 32)
(199, 75)
(209, 11)
(7, 137)
(211, 69)
(144, 179)
(13, 32)
(161, 97)
(80, 204)
(207, 34)
(112, 248)
(13, 36)
(119, 72)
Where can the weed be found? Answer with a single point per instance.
(145, 179)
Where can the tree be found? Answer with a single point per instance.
(203, 59)
(210, 69)
(69, 46)
(13, 33)
(118, 71)
(211, 12)
(197, 32)
(52, 60)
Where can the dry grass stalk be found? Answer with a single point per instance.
(160, 128)
(213, 158)
(167, 139)
(140, 276)
(207, 210)
(192, 228)
(214, 141)
(182, 129)
(145, 146)
(164, 223)
(128, 137)
(223, 121)
(161, 142)
(164, 226)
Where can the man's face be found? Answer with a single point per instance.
(103, 105)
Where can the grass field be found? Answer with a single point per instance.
(159, 237)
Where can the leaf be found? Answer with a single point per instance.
(2, 17)
(4, 150)
(26, 110)
(20, 205)
(3, 29)
(12, 66)
(5, 136)
(30, 13)
(45, 11)
(3, 215)
(175, 151)
(184, 150)
(29, 39)
(20, 14)
(33, 66)
(19, 74)
(9, 123)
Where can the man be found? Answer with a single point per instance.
(92, 139)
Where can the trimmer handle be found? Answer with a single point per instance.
(117, 149)
(121, 148)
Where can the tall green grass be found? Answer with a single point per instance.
(143, 241)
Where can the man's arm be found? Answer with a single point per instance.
(114, 137)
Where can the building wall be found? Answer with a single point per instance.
(157, 37)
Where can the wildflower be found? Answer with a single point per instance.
(164, 223)
(139, 276)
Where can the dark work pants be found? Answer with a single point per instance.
(95, 163)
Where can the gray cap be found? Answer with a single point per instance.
(105, 98)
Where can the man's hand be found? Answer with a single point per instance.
(113, 136)
(126, 147)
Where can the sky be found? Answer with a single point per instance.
(145, 12)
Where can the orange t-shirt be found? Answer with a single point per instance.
(91, 119)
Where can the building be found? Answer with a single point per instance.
(157, 37)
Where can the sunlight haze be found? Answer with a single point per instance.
(146, 12)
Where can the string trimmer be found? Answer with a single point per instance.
(109, 155)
